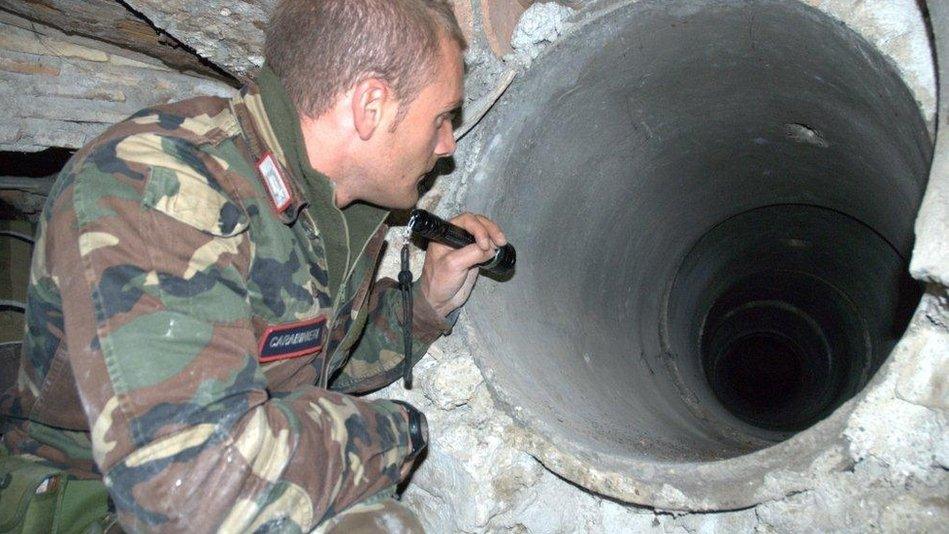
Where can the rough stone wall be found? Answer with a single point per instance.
(62, 91)
(228, 33)
(476, 477)
(112, 22)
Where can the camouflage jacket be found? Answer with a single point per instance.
(183, 341)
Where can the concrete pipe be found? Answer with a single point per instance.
(713, 204)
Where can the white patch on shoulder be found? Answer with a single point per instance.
(276, 185)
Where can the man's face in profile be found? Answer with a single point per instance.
(424, 134)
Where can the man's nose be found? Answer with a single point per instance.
(446, 141)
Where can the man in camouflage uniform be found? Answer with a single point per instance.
(202, 301)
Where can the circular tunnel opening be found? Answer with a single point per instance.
(713, 204)
(761, 372)
(785, 304)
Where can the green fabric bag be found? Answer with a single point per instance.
(35, 498)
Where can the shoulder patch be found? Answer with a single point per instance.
(276, 184)
(292, 340)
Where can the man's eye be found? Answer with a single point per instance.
(449, 117)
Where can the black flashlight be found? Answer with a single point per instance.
(433, 228)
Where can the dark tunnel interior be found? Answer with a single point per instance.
(713, 204)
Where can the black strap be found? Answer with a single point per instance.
(418, 428)
(405, 285)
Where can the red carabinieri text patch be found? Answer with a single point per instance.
(285, 341)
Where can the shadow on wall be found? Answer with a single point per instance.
(15, 253)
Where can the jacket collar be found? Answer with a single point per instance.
(272, 127)
(273, 132)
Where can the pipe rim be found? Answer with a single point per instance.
(726, 484)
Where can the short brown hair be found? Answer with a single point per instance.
(321, 48)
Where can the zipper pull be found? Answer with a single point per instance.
(309, 227)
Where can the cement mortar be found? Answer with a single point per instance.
(891, 476)
(540, 25)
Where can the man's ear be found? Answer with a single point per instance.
(370, 102)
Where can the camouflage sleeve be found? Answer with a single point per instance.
(152, 258)
(377, 359)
